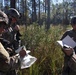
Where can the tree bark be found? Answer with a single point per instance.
(13, 3)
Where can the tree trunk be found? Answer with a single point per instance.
(48, 15)
(39, 13)
(34, 16)
(13, 3)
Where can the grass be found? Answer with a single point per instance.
(44, 47)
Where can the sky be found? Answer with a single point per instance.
(54, 1)
(57, 1)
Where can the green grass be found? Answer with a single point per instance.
(44, 47)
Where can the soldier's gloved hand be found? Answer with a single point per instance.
(22, 53)
(68, 51)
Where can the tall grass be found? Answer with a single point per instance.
(44, 47)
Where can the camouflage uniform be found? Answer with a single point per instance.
(66, 69)
(8, 64)
(14, 15)
(16, 40)
(2, 73)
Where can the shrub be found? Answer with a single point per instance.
(44, 47)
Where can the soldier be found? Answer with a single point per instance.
(17, 35)
(68, 53)
(13, 29)
(8, 64)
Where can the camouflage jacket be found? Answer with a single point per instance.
(66, 69)
(8, 63)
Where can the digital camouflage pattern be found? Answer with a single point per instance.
(13, 13)
(3, 17)
(8, 64)
(66, 69)
(3, 53)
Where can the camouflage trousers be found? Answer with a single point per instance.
(13, 72)
(66, 69)
(1, 73)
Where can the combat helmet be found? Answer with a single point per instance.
(3, 17)
(13, 13)
(73, 20)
